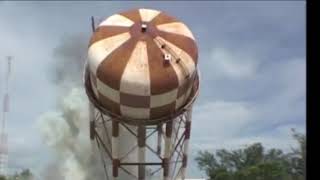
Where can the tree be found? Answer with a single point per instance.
(254, 163)
(25, 174)
(297, 158)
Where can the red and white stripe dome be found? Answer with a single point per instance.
(142, 63)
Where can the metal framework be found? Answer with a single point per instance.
(169, 162)
(167, 158)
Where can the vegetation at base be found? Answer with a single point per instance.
(25, 174)
(255, 163)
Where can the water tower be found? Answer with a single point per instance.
(141, 79)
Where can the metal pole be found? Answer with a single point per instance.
(93, 24)
(4, 136)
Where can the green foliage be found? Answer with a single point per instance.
(254, 163)
(25, 174)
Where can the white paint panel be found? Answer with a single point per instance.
(115, 147)
(99, 50)
(189, 114)
(176, 28)
(127, 141)
(148, 14)
(183, 173)
(176, 67)
(163, 99)
(142, 154)
(108, 92)
(186, 59)
(136, 76)
(167, 147)
(180, 101)
(94, 88)
(139, 113)
(117, 20)
(186, 146)
(189, 91)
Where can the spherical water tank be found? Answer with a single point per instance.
(142, 64)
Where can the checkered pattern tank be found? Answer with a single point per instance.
(142, 63)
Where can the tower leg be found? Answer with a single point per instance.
(141, 152)
(115, 149)
(186, 143)
(167, 151)
(159, 141)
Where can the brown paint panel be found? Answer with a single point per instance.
(163, 18)
(115, 166)
(184, 88)
(188, 130)
(109, 104)
(165, 163)
(169, 126)
(93, 81)
(115, 128)
(163, 78)
(142, 172)
(184, 160)
(111, 69)
(159, 129)
(183, 42)
(141, 136)
(158, 149)
(162, 110)
(104, 32)
(134, 100)
(133, 15)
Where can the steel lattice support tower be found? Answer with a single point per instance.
(3, 133)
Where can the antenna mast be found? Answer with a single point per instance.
(3, 133)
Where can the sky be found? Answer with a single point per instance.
(252, 61)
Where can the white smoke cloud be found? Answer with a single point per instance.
(66, 131)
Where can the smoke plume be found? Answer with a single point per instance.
(66, 129)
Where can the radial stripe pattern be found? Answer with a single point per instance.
(117, 20)
(142, 63)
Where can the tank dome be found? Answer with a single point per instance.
(142, 63)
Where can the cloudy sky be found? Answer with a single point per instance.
(252, 63)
